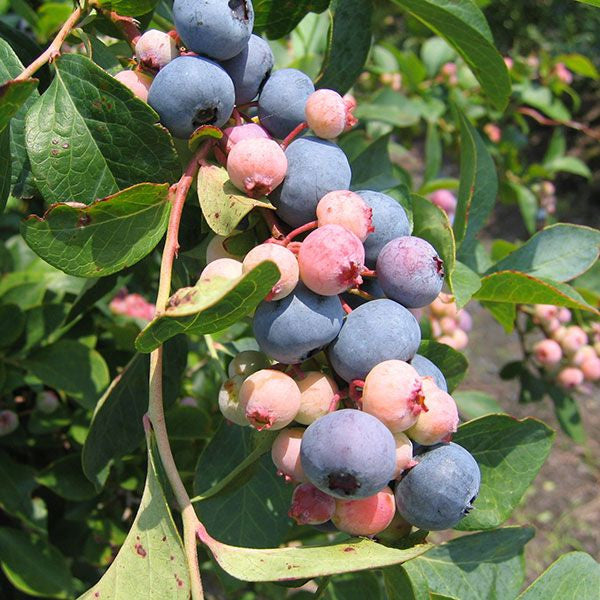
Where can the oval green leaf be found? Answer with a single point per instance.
(278, 17)
(103, 237)
(450, 362)
(13, 95)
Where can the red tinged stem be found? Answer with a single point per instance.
(347, 308)
(293, 134)
(300, 230)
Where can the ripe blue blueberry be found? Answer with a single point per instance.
(250, 69)
(216, 28)
(315, 168)
(410, 271)
(425, 368)
(348, 454)
(389, 220)
(292, 329)
(376, 331)
(440, 490)
(282, 100)
(189, 92)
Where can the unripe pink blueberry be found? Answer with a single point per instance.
(573, 339)
(256, 166)
(393, 393)
(348, 209)
(331, 259)
(225, 268)
(326, 113)
(508, 61)
(448, 325)
(229, 401)
(436, 330)
(404, 453)
(547, 352)
(317, 392)
(9, 421)
(445, 199)
(440, 421)
(552, 325)
(367, 516)
(591, 369)
(544, 312)
(139, 83)
(559, 332)
(132, 305)
(285, 454)
(465, 321)
(270, 399)
(563, 73)
(286, 262)
(247, 131)
(493, 132)
(597, 348)
(189, 401)
(564, 315)
(216, 250)
(311, 506)
(156, 49)
(47, 402)
(570, 377)
(458, 339)
(584, 353)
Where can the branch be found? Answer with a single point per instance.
(542, 120)
(54, 48)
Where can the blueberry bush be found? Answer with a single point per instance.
(232, 316)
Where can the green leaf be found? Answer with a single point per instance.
(473, 404)
(228, 457)
(560, 252)
(88, 123)
(222, 204)
(567, 413)
(151, 563)
(33, 566)
(483, 565)
(464, 283)
(504, 313)
(13, 324)
(591, 2)
(372, 168)
(390, 107)
(431, 223)
(399, 586)
(72, 367)
(116, 427)
(273, 564)
(450, 362)
(543, 99)
(13, 95)
(278, 17)
(433, 152)
(568, 164)
(509, 453)
(527, 202)
(462, 24)
(18, 483)
(209, 306)
(349, 42)
(5, 168)
(521, 288)
(355, 586)
(188, 423)
(103, 237)
(478, 184)
(574, 576)
(66, 479)
(580, 64)
(130, 7)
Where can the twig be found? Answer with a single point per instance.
(53, 49)
(542, 120)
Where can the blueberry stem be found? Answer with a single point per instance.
(292, 135)
(299, 230)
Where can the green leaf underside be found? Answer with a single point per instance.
(473, 404)
(464, 283)
(463, 25)
(33, 566)
(278, 17)
(13, 95)
(116, 427)
(222, 204)
(560, 252)
(574, 576)
(509, 453)
(284, 564)
(451, 363)
(482, 565)
(209, 306)
(478, 184)
(71, 366)
(88, 136)
(567, 413)
(349, 44)
(130, 7)
(5, 168)
(514, 287)
(151, 563)
(431, 223)
(103, 237)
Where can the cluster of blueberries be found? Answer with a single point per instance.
(356, 409)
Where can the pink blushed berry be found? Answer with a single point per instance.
(139, 83)
(216, 250)
(229, 401)
(326, 113)
(286, 262)
(156, 49)
(9, 421)
(570, 378)
(256, 166)
(561, 71)
(222, 268)
(318, 392)
(47, 402)
(404, 453)
(465, 321)
(311, 506)
(544, 312)
(564, 315)
(285, 454)
(247, 131)
(591, 369)
(347, 209)
(367, 516)
(493, 132)
(573, 339)
(448, 325)
(445, 199)
(584, 353)
(547, 352)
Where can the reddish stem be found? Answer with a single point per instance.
(128, 25)
(297, 371)
(294, 247)
(243, 107)
(368, 273)
(273, 223)
(292, 135)
(299, 230)
(334, 402)
(347, 308)
(237, 117)
(355, 392)
(361, 294)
